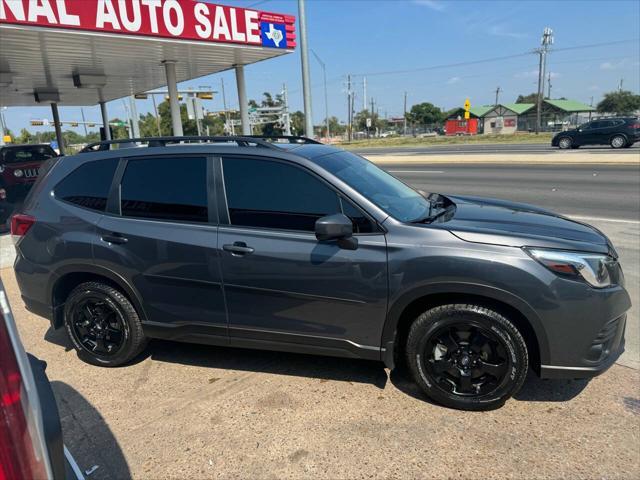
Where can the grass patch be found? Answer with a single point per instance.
(542, 138)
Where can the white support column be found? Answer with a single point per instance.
(172, 87)
(105, 121)
(135, 125)
(242, 100)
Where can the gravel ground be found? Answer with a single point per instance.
(189, 411)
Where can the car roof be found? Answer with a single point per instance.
(22, 145)
(309, 151)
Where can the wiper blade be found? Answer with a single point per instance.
(431, 218)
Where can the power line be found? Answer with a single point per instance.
(492, 59)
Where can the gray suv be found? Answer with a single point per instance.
(302, 247)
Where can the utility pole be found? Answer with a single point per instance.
(84, 122)
(547, 39)
(228, 122)
(549, 85)
(405, 114)
(306, 83)
(287, 121)
(349, 95)
(498, 90)
(326, 98)
(620, 84)
(364, 93)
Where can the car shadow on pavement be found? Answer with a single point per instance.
(536, 389)
(88, 437)
(265, 361)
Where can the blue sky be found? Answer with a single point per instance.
(369, 38)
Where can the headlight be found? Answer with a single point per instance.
(18, 173)
(594, 268)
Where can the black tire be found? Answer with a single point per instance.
(504, 342)
(564, 143)
(100, 316)
(618, 141)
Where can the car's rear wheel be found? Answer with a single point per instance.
(618, 141)
(466, 357)
(565, 143)
(103, 325)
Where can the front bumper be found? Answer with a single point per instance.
(603, 352)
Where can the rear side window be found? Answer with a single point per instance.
(166, 188)
(88, 185)
(269, 194)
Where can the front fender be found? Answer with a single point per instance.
(461, 288)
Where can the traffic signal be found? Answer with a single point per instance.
(166, 97)
(73, 124)
(37, 123)
(140, 96)
(205, 95)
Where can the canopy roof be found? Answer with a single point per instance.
(114, 53)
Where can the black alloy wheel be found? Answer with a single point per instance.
(466, 356)
(103, 325)
(98, 326)
(466, 359)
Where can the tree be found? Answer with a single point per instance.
(24, 137)
(621, 102)
(425, 114)
(531, 98)
(335, 127)
(297, 123)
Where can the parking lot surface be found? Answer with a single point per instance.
(190, 411)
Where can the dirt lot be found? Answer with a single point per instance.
(187, 411)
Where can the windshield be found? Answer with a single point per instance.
(387, 192)
(29, 153)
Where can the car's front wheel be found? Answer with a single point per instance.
(103, 325)
(618, 141)
(565, 143)
(466, 357)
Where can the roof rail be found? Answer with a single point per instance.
(242, 141)
(284, 139)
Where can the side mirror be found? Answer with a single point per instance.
(336, 227)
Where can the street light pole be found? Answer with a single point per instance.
(326, 98)
(306, 84)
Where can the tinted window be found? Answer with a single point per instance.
(27, 153)
(386, 191)
(268, 194)
(167, 188)
(88, 185)
(598, 124)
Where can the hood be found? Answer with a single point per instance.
(500, 222)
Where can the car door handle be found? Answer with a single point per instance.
(238, 248)
(115, 239)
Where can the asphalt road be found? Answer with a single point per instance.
(600, 191)
(480, 148)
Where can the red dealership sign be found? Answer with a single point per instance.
(171, 19)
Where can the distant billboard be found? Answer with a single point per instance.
(169, 19)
